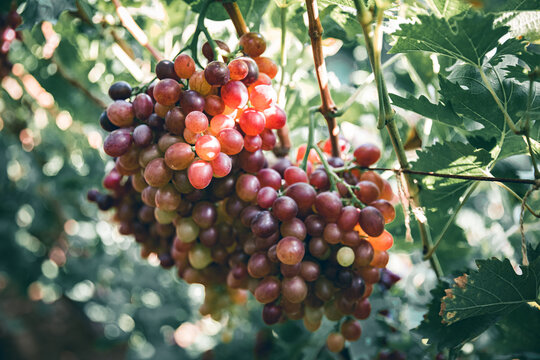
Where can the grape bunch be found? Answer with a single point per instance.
(8, 23)
(192, 184)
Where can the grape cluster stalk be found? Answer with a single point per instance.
(192, 184)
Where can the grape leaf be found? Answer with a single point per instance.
(439, 112)
(448, 8)
(510, 5)
(454, 335)
(518, 332)
(470, 98)
(452, 158)
(467, 38)
(252, 10)
(492, 289)
(520, 73)
(37, 11)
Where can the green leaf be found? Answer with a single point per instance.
(492, 289)
(448, 8)
(510, 5)
(467, 38)
(521, 73)
(471, 99)
(37, 11)
(252, 11)
(518, 331)
(453, 158)
(452, 336)
(439, 112)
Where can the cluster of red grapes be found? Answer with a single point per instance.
(8, 23)
(192, 184)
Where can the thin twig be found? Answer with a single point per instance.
(327, 104)
(521, 228)
(77, 84)
(134, 29)
(449, 176)
(519, 198)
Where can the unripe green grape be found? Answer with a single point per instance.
(163, 216)
(345, 256)
(199, 256)
(187, 230)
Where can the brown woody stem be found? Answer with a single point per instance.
(328, 108)
(135, 30)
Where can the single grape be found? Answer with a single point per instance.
(184, 66)
(142, 135)
(332, 233)
(290, 250)
(267, 290)
(315, 225)
(328, 205)
(231, 141)
(191, 137)
(196, 122)
(267, 66)
(294, 289)
(191, 101)
(143, 106)
(367, 154)
(345, 256)
(362, 309)
(367, 192)
(168, 198)
(247, 187)
(371, 221)
(234, 94)
(200, 174)
(275, 117)
(258, 265)
(303, 194)
(284, 208)
(262, 97)
(251, 162)
(120, 113)
(264, 224)
(293, 227)
(269, 139)
(105, 123)
(175, 121)
(238, 69)
(187, 230)
(198, 83)
(363, 254)
(253, 44)
(204, 214)
(207, 147)
(166, 140)
(252, 143)
(117, 143)
(165, 70)
(213, 105)
(294, 174)
(157, 173)
(269, 177)
(167, 91)
(266, 197)
(271, 314)
(310, 270)
(199, 256)
(217, 73)
(120, 90)
(221, 165)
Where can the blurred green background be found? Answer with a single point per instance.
(71, 287)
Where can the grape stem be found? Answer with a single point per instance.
(236, 17)
(434, 174)
(194, 42)
(328, 107)
(386, 117)
(332, 176)
(127, 21)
